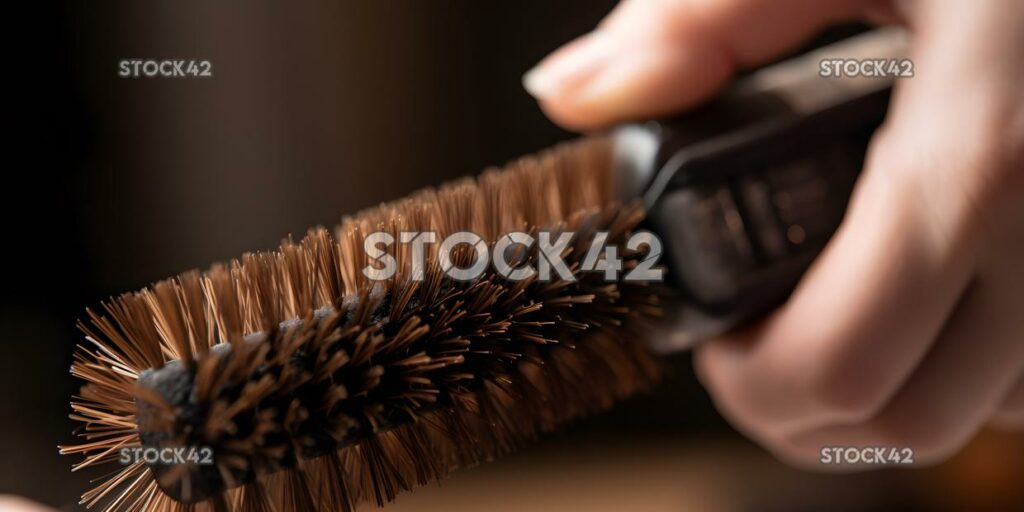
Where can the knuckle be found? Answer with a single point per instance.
(846, 390)
(972, 165)
(984, 167)
(849, 400)
(952, 180)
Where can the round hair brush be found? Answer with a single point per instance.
(296, 383)
(331, 371)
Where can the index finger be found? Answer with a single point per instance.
(650, 58)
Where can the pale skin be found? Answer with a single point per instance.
(908, 331)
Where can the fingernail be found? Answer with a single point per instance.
(570, 67)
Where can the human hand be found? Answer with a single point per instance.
(908, 331)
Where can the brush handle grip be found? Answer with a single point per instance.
(741, 224)
(746, 190)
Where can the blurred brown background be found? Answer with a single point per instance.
(315, 110)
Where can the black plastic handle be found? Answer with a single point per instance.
(749, 191)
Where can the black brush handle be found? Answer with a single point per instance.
(742, 221)
(746, 190)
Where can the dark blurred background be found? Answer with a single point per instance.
(315, 110)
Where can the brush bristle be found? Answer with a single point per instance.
(311, 384)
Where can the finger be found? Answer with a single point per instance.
(962, 382)
(653, 57)
(865, 315)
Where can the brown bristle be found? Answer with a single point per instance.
(309, 383)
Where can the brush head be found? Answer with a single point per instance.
(300, 383)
